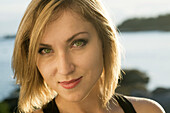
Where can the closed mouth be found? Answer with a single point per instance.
(71, 83)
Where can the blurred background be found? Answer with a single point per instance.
(144, 27)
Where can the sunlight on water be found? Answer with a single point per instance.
(148, 52)
(7, 84)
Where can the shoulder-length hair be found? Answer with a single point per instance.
(34, 92)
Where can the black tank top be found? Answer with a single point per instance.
(124, 104)
(127, 107)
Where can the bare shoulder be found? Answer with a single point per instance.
(38, 111)
(143, 105)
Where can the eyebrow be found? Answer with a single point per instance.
(69, 40)
(46, 45)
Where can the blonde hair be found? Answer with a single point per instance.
(34, 92)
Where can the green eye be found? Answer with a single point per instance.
(79, 43)
(47, 50)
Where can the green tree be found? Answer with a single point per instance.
(4, 108)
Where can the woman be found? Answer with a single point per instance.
(67, 60)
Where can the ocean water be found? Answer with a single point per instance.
(7, 83)
(146, 51)
(150, 53)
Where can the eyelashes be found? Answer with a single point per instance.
(77, 44)
(44, 51)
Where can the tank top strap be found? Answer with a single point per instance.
(51, 107)
(124, 103)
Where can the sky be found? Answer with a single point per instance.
(11, 11)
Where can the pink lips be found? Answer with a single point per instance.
(70, 84)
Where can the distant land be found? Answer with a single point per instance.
(9, 36)
(160, 23)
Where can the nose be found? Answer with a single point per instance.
(65, 65)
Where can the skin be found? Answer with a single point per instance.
(64, 60)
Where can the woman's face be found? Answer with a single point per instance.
(70, 57)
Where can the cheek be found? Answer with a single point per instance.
(45, 70)
(91, 60)
(43, 67)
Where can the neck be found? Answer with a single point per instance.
(90, 104)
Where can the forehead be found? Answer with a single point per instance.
(66, 25)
